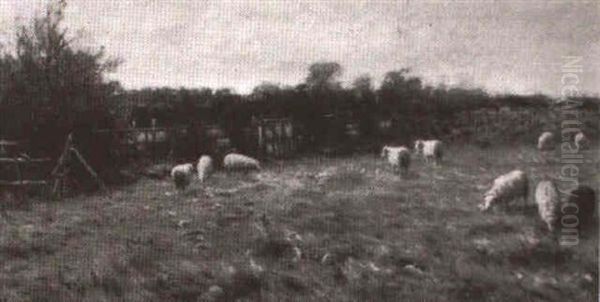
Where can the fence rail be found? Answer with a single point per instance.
(18, 174)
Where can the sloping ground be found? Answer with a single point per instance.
(340, 229)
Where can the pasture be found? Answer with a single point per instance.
(355, 232)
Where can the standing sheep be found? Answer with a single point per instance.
(581, 141)
(584, 199)
(235, 161)
(419, 146)
(546, 141)
(182, 175)
(430, 150)
(506, 187)
(204, 167)
(398, 157)
(549, 203)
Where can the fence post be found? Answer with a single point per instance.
(260, 139)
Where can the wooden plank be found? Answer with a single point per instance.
(9, 160)
(148, 129)
(89, 169)
(55, 186)
(8, 143)
(60, 166)
(63, 157)
(38, 160)
(22, 160)
(22, 182)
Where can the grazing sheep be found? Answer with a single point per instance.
(235, 161)
(204, 167)
(419, 146)
(581, 141)
(398, 157)
(506, 187)
(546, 141)
(548, 203)
(584, 198)
(182, 175)
(430, 150)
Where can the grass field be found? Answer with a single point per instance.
(311, 229)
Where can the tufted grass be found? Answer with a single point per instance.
(364, 234)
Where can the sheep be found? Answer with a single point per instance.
(546, 141)
(398, 157)
(583, 199)
(419, 146)
(505, 188)
(235, 161)
(581, 141)
(182, 175)
(204, 167)
(430, 150)
(549, 203)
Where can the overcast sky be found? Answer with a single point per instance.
(499, 46)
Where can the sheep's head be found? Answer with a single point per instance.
(189, 167)
(385, 151)
(419, 146)
(488, 199)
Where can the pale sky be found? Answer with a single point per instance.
(504, 46)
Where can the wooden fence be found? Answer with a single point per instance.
(18, 172)
(281, 137)
(153, 142)
(160, 142)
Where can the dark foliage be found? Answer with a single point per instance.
(48, 88)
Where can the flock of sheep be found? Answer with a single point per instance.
(399, 157)
(515, 184)
(551, 206)
(183, 174)
(505, 188)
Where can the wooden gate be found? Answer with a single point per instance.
(276, 137)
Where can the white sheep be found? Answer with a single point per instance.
(182, 175)
(506, 187)
(235, 161)
(546, 141)
(581, 141)
(548, 202)
(419, 146)
(204, 167)
(398, 157)
(430, 150)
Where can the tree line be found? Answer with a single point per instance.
(49, 88)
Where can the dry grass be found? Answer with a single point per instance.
(314, 229)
